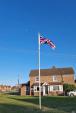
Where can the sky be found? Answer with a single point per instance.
(20, 22)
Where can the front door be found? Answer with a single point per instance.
(45, 90)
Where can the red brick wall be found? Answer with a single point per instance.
(23, 90)
(66, 79)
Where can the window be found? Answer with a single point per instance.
(55, 87)
(37, 79)
(55, 78)
(36, 88)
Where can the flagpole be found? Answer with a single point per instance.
(39, 72)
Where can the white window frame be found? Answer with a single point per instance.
(35, 88)
(54, 77)
(56, 86)
(36, 79)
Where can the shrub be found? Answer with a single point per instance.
(68, 87)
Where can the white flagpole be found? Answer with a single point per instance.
(39, 72)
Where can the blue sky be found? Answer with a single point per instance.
(20, 22)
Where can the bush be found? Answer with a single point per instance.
(68, 87)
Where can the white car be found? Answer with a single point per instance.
(72, 93)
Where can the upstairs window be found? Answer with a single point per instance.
(54, 78)
(37, 79)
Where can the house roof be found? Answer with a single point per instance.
(26, 84)
(52, 71)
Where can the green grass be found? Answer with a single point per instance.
(18, 104)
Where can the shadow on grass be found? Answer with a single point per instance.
(66, 104)
(7, 108)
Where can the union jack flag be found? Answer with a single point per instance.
(47, 41)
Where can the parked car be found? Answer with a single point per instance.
(72, 93)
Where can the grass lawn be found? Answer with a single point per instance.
(18, 104)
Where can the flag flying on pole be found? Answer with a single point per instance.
(42, 40)
(47, 41)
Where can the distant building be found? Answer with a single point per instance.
(5, 88)
(15, 88)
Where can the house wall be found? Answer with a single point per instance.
(50, 91)
(55, 92)
(44, 79)
(23, 90)
(66, 79)
(60, 88)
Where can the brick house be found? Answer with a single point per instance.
(5, 88)
(52, 81)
